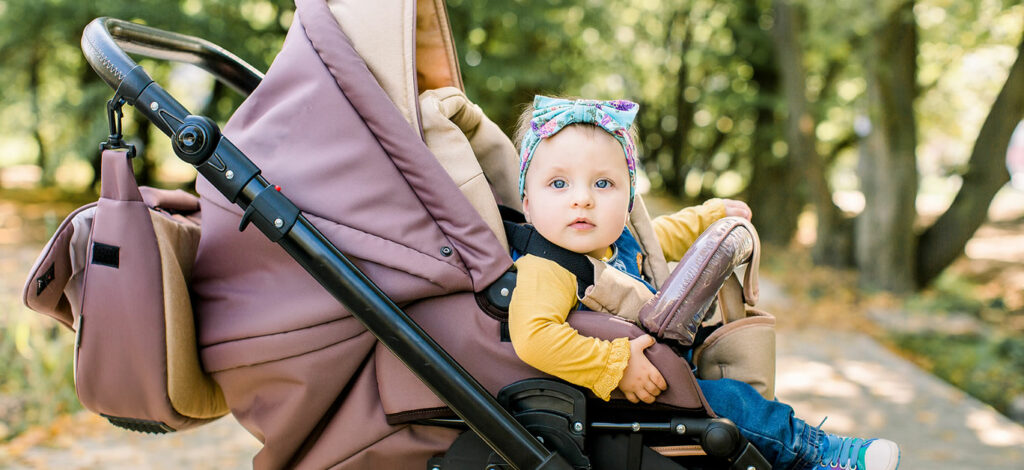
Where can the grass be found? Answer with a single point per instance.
(36, 364)
(989, 368)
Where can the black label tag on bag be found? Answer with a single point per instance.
(44, 280)
(107, 255)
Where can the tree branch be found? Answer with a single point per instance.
(945, 240)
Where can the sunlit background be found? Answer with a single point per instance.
(822, 115)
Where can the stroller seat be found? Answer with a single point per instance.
(408, 191)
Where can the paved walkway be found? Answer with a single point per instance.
(87, 441)
(866, 390)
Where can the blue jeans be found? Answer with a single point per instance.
(786, 441)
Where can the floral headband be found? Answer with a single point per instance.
(551, 115)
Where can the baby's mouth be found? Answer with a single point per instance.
(581, 223)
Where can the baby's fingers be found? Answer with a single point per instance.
(644, 396)
(652, 388)
(659, 380)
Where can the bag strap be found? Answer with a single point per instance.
(117, 179)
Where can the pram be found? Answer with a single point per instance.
(338, 133)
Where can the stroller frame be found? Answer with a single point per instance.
(197, 141)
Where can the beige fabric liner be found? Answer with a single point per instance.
(192, 392)
(473, 150)
(383, 36)
(397, 37)
(640, 224)
(742, 349)
(615, 292)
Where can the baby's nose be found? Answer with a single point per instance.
(582, 198)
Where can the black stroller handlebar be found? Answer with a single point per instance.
(106, 42)
(197, 140)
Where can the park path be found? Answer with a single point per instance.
(866, 390)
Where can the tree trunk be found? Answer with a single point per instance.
(888, 166)
(34, 84)
(774, 192)
(674, 143)
(833, 245)
(944, 241)
(771, 194)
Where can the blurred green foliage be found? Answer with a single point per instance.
(989, 368)
(37, 371)
(703, 71)
(52, 104)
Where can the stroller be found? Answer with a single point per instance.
(404, 372)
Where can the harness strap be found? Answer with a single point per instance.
(524, 239)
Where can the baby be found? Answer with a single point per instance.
(577, 181)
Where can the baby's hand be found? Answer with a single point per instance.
(641, 381)
(734, 208)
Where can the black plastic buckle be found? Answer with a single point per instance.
(114, 116)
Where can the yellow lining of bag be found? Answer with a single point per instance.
(192, 392)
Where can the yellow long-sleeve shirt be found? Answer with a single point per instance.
(545, 293)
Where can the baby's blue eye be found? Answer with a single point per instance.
(602, 183)
(558, 184)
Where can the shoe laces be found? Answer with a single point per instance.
(844, 452)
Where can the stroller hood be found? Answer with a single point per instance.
(321, 127)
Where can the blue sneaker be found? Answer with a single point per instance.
(847, 453)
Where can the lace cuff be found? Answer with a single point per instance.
(618, 358)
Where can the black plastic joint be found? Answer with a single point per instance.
(133, 83)
(195, 140)
(272, 213)
(229, 170)
(499, 294)
(721, 438)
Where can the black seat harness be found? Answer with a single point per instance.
(524, 239)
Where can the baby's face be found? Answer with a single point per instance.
(577, 190)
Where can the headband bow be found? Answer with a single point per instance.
(551, 115)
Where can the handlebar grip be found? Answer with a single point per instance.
(106, 42)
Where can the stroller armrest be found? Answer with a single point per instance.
(685, 297)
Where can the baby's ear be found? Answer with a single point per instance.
(526, 208)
